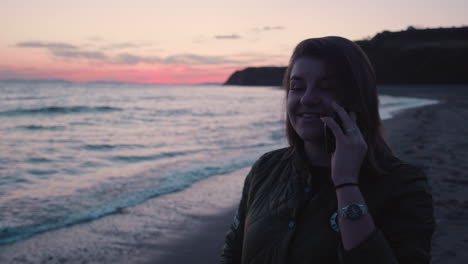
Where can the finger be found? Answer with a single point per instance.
(344, 116)
(335, 128)
(353, 116)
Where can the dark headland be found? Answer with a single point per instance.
(413, 56)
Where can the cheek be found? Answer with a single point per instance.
(293, 101)
(292, 104)
(327, 100)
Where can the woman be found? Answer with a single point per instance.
(337, 194)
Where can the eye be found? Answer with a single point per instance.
(296, 85)
(328, 83)
(296, 88)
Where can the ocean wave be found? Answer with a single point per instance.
(134, 158)
(215, 114)
(104, 147)
(39, 160)
(191, 112)
(42, 172)
(172, 112)
(176, 181)
(267, 123)
(39, 127)
(9, 179)
(91, 164)
(159, 98)
(20, 98)
(60, 110)
(278, 135)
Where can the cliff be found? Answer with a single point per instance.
(413, 56)
(271, 76)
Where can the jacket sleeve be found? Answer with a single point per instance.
(405, 232)
(232, 250)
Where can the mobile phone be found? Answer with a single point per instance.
(330, 143)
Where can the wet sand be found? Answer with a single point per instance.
(157, 231)
(435, 137)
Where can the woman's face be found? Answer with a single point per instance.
(313, 86)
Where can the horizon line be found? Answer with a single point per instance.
(101, 81)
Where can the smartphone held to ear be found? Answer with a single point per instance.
(330, 143)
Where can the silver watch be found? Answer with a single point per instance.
(353, 211)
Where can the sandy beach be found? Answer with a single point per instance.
(431, 136)
(434, 137)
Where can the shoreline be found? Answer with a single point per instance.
(157, 232)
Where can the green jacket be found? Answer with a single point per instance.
(284, 216)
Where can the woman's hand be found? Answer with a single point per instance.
(351, 148)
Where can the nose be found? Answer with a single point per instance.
(311, 97)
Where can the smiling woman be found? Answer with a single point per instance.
(337, 194)
(310, 84)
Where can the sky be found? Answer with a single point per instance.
(188, 41)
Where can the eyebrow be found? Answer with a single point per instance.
(326, 77)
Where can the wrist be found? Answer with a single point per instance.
(345, 178)
(346, 184)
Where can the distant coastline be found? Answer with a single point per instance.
(413, 56)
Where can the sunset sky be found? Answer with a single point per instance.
(188, 41)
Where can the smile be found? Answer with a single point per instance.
(310, 115)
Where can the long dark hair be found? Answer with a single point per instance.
(359, 94)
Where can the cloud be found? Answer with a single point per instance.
(268, 28)
(127, 58)
(233, 36)
(65, 50)
(126, 45)
(47, 45)
(196, 59)
(94, 55)
(62, 49)
(13, 74)
(104, 44)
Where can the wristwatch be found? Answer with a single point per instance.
(353, 211)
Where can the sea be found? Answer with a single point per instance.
(75, 152)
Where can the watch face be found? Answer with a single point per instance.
(353, 212)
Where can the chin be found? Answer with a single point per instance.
(311, 135)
